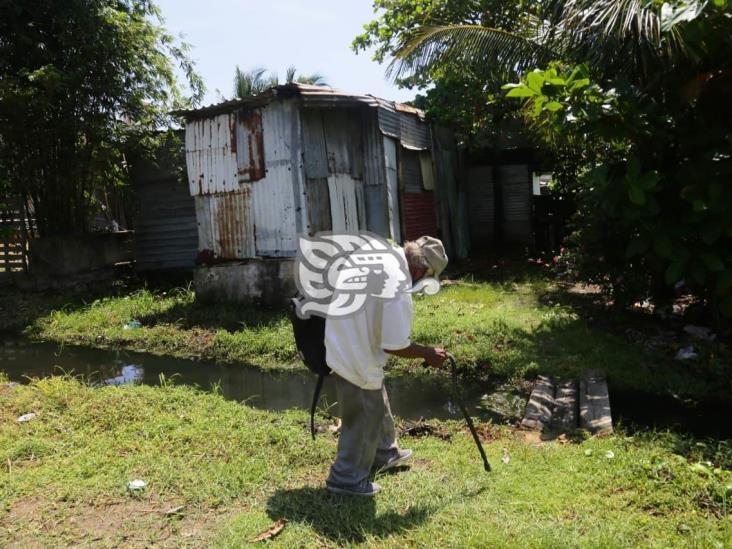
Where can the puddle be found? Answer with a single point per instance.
(411, 398)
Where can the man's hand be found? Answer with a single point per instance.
(435, 356)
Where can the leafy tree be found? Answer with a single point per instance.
(464, 95)
(79, 81)
(639, 98)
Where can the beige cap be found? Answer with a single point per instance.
(434, 253)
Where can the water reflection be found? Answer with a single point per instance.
(129, 373)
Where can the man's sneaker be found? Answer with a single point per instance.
(396, 461)
(364, 489)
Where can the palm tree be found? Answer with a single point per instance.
(614, 37)
(253, 82)
(315, 79)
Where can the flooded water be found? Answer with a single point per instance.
(427, 396)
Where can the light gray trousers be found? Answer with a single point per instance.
(367, 436)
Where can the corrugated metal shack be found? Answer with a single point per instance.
(299, 159)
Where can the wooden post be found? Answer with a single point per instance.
(595, 413)
(540, 406)
(564, 418)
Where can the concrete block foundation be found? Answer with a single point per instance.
(253, 281)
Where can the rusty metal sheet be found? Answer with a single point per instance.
(225, 224)
(211, 155)
(419, 215)
(249, 145)
(277, 200)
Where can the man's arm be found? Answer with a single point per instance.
(434, 356)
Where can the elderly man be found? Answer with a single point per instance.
(356, 351)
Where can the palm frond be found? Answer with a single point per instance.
(621, 36)
(290, 74)
(315, 79)
(429, 47)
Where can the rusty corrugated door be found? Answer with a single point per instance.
(419, 215)
(249, 145)
(225, 224)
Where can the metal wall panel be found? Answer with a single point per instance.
(165, 226)
(515, 181)
(413, 132)
(249, 145)
(392, 188)
(314, 151)
(409, 171)
(389, 120)
(276, 200)
(344, 207)
(481, 206)
(318, 202)
(225, 224)
(211, 155)
(343, 138)
(374, 175)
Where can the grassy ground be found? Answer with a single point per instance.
(508, 329)
(218, 473)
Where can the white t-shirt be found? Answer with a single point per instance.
(349, 345)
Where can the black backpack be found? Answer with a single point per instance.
(310, 341)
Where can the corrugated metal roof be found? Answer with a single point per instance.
(313, 95)
(399, 120)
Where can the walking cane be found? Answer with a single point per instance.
(461, 405)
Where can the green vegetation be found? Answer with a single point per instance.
(512, 329)
(81, 83)
(224, 472)
(631, 99)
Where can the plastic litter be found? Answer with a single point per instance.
(588, 452)
(686, 353)
(700, 332)
(609, 454)
(25, 417)
(135, 485)
(132, 325)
